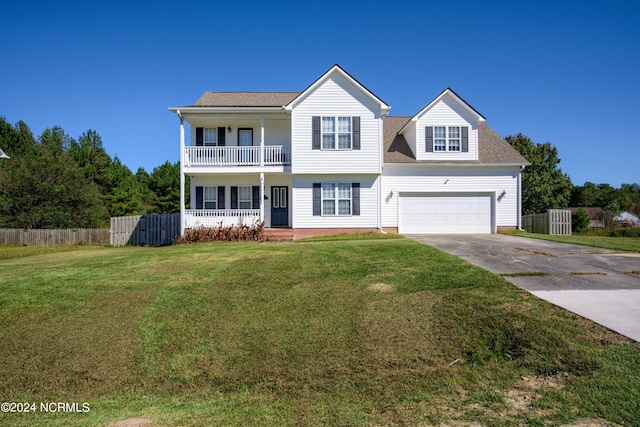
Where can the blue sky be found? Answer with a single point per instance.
(566, 72)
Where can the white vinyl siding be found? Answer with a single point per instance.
(302, 201)
(337, 98)
(401, 178)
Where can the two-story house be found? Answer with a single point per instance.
(330, 159)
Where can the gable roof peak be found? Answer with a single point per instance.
(457, 98)
(337, 68)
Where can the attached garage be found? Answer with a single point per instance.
(422, 213)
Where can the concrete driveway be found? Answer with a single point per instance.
(599, 284)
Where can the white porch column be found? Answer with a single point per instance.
(261, 196)
(182, 180)
(262, 141)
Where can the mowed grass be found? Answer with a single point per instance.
(356, 332)
(631, 244)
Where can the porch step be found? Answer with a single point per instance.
(278, 234)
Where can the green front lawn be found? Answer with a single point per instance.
(355, 332)
(631, 244)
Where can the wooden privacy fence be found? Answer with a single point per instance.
(555, 221)
(54, 237)
(145, 229)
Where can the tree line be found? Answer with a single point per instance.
(55, 181)
(545, 186)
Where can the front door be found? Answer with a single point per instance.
(279, 207)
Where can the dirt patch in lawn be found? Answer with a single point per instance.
(381, 287)
(132, 422)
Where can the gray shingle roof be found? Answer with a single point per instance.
(245, 99)
(493, 149)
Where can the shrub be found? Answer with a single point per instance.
(234, 233)
(625, 232)
(579, 221)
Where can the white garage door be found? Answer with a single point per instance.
(444, 213)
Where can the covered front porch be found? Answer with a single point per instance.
(223, 200)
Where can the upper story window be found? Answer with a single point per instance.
(336, 133)
(331, 133)
(211, 137)
(442, 139)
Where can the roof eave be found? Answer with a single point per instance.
(224, 109)
(428, 163)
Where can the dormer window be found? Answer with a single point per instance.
(442, 139)
(446, 138)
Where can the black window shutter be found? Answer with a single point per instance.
(317, 199)
(199, 197)
(221, 197)
(221, 136)
(465, 139)
(428, 134)
(356, 132)
(234, 197)
(315, 120)
(199, 137)
(256, 197)
(355, 198)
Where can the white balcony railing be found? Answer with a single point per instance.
(274, 155)
(211, 218)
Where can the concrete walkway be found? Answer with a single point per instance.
(599, 284)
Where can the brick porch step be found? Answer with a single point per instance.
(278, 234)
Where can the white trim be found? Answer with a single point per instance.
(182, 178)
(224, 109)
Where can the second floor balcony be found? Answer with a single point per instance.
(272, 155)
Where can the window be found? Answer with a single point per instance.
(211, 137)
(454, 138)
(211, 197)
(336, 195)
(279, 197)
(439, 138)
(244, 197)
(343, 134)
(446, 138)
